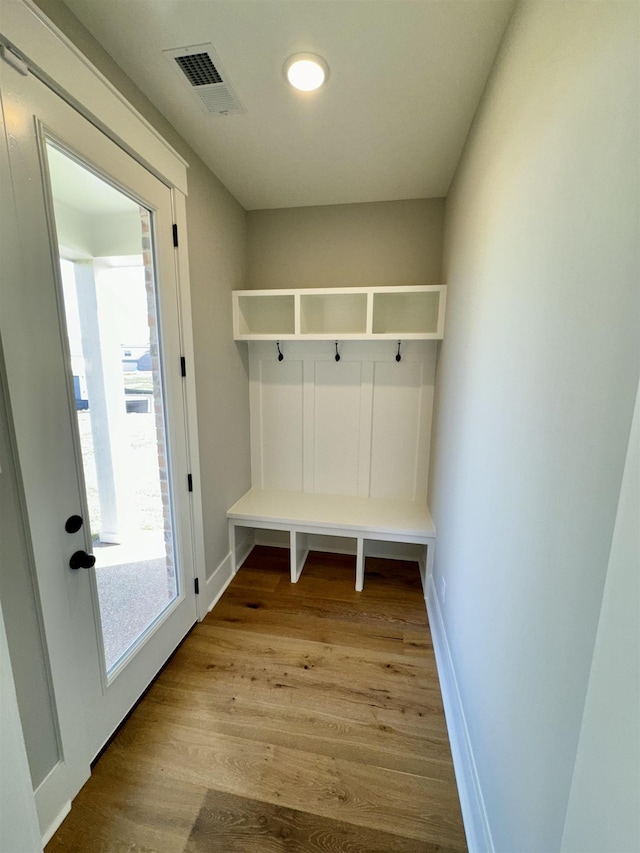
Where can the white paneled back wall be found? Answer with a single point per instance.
(359, 426)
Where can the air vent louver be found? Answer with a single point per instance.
(201, 66)
(199, 69)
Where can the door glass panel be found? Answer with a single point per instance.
(110, 304)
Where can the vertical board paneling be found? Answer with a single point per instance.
(337, 427)
(364, 450)
(360, 426)
(308, 421)
(426, 416)
(280, 394)
(396, 430)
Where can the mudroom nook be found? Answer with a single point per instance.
(319, 427)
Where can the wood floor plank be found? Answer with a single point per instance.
(296, 717)
(289, 620)
(347, 684)
(242, 634)
(123, 808)
(318, 580)
(377, 798)
(375, 744)
(229, 701)
(349, 701)
(358, 613)
(255, 579)
(312, 585)
(229, 824)
(308, 662)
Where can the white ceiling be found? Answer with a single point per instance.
(405, 80)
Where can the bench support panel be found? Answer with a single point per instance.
(232, 547)
(299, 550)
(360, 558)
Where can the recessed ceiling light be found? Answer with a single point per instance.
(306, 71)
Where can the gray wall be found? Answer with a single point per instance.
(603, 809)
(217, 256)
(536, 385)
(347, 245)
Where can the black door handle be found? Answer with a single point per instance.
(82, 560)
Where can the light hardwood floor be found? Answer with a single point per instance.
(300, 718)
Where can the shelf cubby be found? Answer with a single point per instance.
(264, 314)
(333, 314)
(403, 313)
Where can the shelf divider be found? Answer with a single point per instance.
(370, 296)
(297, 323)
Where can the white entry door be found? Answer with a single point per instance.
(90, 329)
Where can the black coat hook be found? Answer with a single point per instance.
(398, 356)
(280, 356)
(337, 353)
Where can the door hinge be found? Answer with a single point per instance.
(196, 585)
(190, 482)
(14, 60)
(183, 366)
(175, 235)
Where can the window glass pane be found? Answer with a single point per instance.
(110, 301)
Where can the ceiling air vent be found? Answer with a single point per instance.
(200, 67)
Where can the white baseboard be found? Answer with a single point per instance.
(215, 585)
(474, 813)
(244, 544)
(55, 823)
(223, 575)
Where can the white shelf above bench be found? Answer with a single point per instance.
(302, 513)
(344, 313)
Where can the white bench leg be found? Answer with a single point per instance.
(359, 564)
(299, 545)
(232, 547)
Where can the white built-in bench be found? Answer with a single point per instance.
(361, 518)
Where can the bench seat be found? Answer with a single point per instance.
(302, 513)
